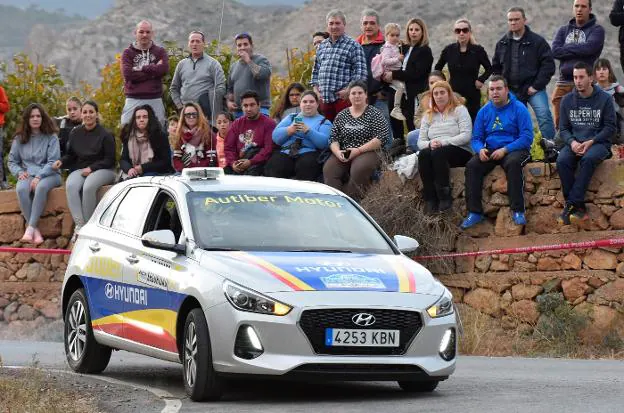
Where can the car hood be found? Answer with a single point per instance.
(312, 271)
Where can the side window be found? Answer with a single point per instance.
(131, 212)
(164, 215)
(107, 217)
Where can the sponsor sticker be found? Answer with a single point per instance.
(352, 281)
(132, 295)
(152, 279)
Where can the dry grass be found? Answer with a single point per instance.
(31, 391)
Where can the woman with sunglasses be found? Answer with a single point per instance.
(195, 145)
(464, 59)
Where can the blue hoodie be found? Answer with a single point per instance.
(316, 139)
(588, 118)
(574, 44)
(509, 126)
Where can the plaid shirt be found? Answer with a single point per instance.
(337, 64)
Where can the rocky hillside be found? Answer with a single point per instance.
(80, 52)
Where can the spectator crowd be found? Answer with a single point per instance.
(364, 95)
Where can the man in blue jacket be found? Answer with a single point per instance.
(588, 123)
(502, 135)
(582, 39)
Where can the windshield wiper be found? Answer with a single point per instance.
(330, 250)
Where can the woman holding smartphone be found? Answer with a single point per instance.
(358, 134)
(301, 137)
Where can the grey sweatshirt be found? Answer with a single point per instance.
(241, 79)
(453, 129)
(191, 79)
(35, 157)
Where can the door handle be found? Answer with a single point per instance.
(132, 259)
(94, 246)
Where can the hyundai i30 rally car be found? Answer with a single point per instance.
(255, 277)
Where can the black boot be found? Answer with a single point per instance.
(431, 206)
(444, 197)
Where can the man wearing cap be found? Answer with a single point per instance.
(251, 72)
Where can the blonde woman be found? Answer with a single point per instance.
(464, 59)
(195, 144)
(444, 143)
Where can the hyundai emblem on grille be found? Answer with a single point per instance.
(363, 319)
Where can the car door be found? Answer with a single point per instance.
(153, 322)
(125, 226)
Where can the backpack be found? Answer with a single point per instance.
(377, 67)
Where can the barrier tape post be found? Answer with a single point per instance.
(615, 242)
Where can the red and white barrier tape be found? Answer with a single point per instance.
(615, 242)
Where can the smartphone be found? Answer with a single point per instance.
(347, 153)
(298, 119)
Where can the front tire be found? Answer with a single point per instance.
(419, 386)
(84, 354)
(200, 379)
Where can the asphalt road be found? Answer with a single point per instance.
(479, 385)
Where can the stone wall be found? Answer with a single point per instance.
(506, 286)
(30, 284)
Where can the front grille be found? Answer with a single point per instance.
(314, 323)
(358, 368)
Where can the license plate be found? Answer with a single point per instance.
(361, 338)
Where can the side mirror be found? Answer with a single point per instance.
(406, 244)
(163, 240)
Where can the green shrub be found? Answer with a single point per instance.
(558, 329)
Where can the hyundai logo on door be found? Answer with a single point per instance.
(363, 319)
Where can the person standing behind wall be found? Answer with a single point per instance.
(371, 40)
(68, 122)
(339, 61)
(582, 39)
(4, 109)
(143, 66)
(617, 19)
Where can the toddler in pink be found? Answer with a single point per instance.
(392, 59)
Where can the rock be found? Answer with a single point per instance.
(611, 292)
(5, 274)
(617, 219)
(601, 260)
(482, 263)
(11, 227)
(523, 266)
(620, 268)
(458, 295)
(608, 210)
(525, 292)
(532, 259)
(595, 282)
(526, 311)
(8, 203)
(603, 318)
(506, 300)
(1, 317)
(4, 302)
(574, 288)
(51, 310)
(553, 285)
(486, 301)
(499, 266)
(500, 185)
(481, 230)
(608, 189)
(34, 272)
(542, 220)
(57, 202)
(548, 200)
(67, 225)
(508, 323)
(505, 227)
(50, 227)
(571, 262)
(62, 242)
(529, 187)
(26, 313)
(499, 199)
(579, 300)
(553, 184)
(597, 220)
(548, 264)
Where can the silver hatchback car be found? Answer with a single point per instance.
(254, 277)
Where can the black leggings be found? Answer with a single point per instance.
(407, 107)
(434, 166)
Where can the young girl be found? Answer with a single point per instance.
(605, 79)
(68, 122)
(392, 59)
(224, 122)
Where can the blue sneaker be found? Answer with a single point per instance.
(518, 218)
(471, 220)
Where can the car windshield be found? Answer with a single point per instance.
(282, 221)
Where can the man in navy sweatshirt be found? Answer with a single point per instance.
(588, 123)
(502, 135)
(582, 39)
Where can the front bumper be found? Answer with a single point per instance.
(289, 353)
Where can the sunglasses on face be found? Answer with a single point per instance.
(462, 30)
(191, 115)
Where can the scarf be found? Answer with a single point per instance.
(140, 149)
(192, 146)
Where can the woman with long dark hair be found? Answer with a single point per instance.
(416, 67)
(289, 101)
(91, 159)
(145, 147)
(465, 58)
(33, 152)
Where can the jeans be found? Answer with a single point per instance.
(304, 167)
(382, 105)
(412, 139)
(559, 92)
(32, 203)
(541, 107)
(567, 162)
(476, 170)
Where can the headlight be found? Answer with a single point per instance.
(443, 307)
(247, 300)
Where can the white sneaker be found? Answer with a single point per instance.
(397, 114)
